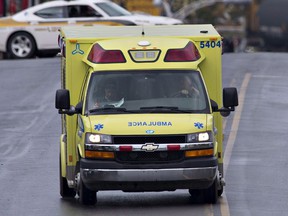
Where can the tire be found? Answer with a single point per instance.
(197, 196)
(220, 191)
(86, 196)
(21, 45)
(211, 193)
(65, 191)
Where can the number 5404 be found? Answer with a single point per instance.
(210, 44)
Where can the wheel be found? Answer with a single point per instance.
(220, 191)
(197, 196)
(211, 193)
(86, 196)
(21, 46)
(65, 191)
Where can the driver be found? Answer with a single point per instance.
(110, 94)
(187, 88)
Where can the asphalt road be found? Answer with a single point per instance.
(256, 137)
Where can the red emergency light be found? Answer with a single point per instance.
(173, 147)
(99, 55)
(125, 148)
(186, 54)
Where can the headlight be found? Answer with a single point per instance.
(98, 138)
(200, 137)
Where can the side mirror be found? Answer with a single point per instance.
(62, 102)
(62, 99)
(230, 98)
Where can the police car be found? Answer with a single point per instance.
(34, 31)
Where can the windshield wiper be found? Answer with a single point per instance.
(113, 109)
(164, 109)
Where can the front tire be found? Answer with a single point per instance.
(86, 196)
(21, 45)
(197, 196)
(220, 191)
(211, 193)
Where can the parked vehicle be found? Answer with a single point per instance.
(34, 31)
(142, 110)
(266, 33)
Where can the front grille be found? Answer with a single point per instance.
(149, 139)
(149, 157)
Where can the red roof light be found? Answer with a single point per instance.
(99, 55)
(188, 53)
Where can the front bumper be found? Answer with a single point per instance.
(147, 178)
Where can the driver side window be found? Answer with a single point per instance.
(87, 11)
(51, 13)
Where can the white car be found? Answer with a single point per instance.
(34, 31)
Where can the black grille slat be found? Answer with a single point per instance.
(150, 157)
(149, 139)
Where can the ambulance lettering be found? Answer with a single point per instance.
(153, 123)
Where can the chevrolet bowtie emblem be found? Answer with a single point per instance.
(149, 147)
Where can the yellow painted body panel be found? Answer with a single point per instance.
(76, 70)
(138, 124)
(63, 158)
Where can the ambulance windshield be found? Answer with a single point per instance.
(150, 91)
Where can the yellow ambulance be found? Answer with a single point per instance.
(142, 110)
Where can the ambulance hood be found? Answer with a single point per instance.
(143, 124)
